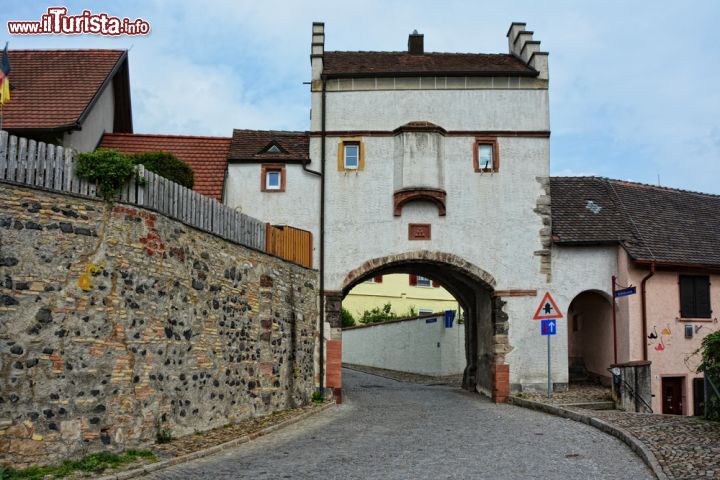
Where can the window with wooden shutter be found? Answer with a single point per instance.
(412, 280)
(435, 284)
(695, 296)
(378, 279)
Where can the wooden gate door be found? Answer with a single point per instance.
(672, 395)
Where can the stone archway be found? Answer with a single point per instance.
(486, 336)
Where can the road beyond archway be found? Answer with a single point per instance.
(394, 430)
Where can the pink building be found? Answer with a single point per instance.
(666, 244)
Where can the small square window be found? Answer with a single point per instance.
(425, 311)
(423, 282)
(273, 180)
(351, 156)
(485, 156)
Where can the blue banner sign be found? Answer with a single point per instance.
(626, 291)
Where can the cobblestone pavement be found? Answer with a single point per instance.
(389, 429)
(685, 447)
(217, 436)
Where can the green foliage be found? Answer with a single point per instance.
(108, 168)
(378, 315)
(163, 436)
(166, 165)
(710, 348)
(95, 463)
(317, 397)
(347, 318)
(710, 366)
(384, 313)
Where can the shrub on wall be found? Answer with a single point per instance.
(166, 165)
(110, 169)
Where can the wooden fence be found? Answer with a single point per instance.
(52, 167)
(290, 243)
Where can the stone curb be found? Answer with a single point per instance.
(635, 445)
(153, 467)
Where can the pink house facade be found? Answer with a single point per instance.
(665, 244)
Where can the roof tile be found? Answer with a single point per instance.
(207, 156)
(357, 64)
(250, 145)
(52, 88)
(652, 223)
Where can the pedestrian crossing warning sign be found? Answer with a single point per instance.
(547, 309)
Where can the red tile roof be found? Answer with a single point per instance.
(52, 89)
(206, 155)
(370, 64)
(251, 146)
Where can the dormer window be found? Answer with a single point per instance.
(485, 155)
(273, 147)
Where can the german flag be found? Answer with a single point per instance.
(4, 77)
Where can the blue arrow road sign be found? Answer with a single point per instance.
(547, 327)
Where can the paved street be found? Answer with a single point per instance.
(388, 429)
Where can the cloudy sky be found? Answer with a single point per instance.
(633, 84)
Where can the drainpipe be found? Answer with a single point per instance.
(643, 299)
(322, 245)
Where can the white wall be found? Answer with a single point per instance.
(297, 206)
(100, 120)
(490, 220)
(477, 109)
(412, 346)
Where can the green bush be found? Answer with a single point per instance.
(378, 315)
(166, 165)
(347, 318)
(108, 168)
(710, 367)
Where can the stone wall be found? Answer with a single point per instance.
(116, 322)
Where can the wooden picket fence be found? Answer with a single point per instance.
(52, 167)
(291, 243)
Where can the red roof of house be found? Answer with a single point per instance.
(207, 156)
(371, 64)
(54, 89)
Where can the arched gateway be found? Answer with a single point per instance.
(441, 171)
(486, 340)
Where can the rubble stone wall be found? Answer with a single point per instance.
(116, 323)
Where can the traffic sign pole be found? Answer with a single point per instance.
(549, 387)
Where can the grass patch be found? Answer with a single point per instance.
(95, 463)
(317, 397)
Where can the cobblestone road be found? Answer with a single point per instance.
(388, 429)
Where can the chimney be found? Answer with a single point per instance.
(415, 43)
(522, 45)
(317, 49)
